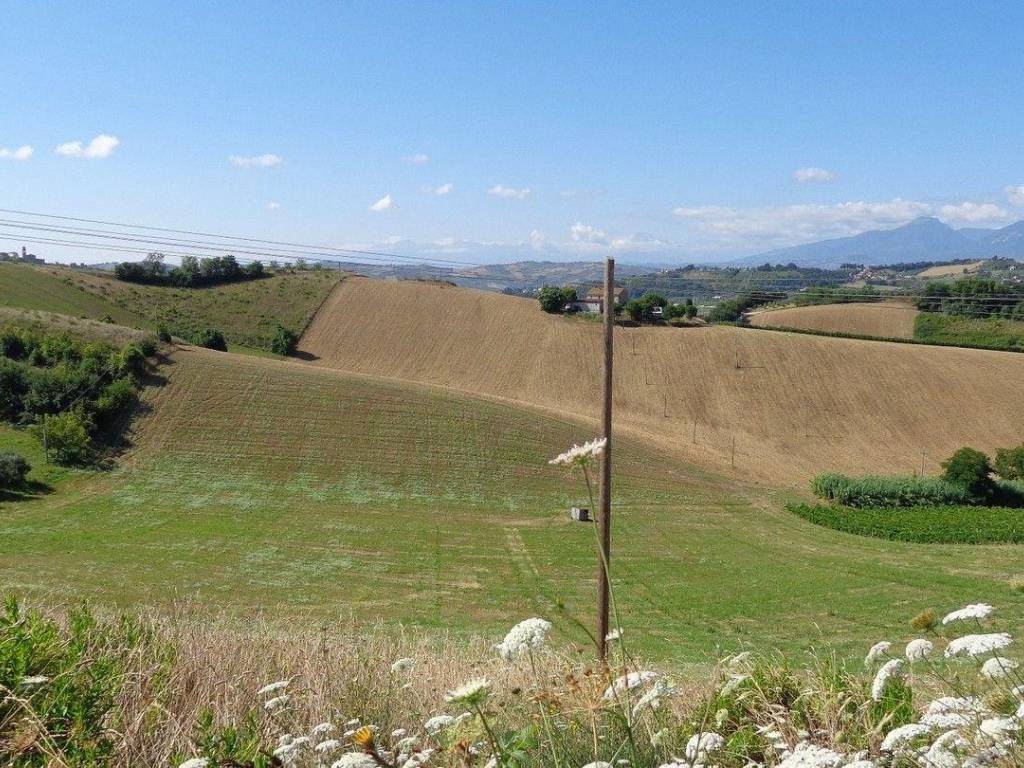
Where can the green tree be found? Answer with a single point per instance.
(552, 298)
(284, 342)
(211, 338)
(1009, 463)
(970, 469)
(66, 437)
(13, 469)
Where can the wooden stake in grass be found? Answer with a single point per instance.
(606, 462)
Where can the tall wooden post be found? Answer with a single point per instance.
(604, 588)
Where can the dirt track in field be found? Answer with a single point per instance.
(789, 405)
(889, 319)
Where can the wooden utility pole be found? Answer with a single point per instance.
(604, 565)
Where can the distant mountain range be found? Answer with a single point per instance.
(923, 239)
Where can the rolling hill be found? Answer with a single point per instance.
(774, 406)
(263, 486)
(890, 319)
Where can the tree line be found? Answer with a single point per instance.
(974, 297)
(193, 272)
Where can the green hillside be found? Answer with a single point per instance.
(265, 485)
(58, 290)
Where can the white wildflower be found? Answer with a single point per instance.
(628, 682)
(997, 667)
(861, 764)
(398, 733)
(898, 738)
(34, 680)
(703, 744)
(284, 750)
(462, 717)
(270, 688)
(598, 764)
(402, 665)
(285, 738)
(525, 635)
(1000, 729)
(877, 651)
(321, 730)
(612, 636)
(919, 649)
(327, 746)
(807, 755)
(890, 670)
(195, 762)
(353, 722)
(974, 611)
(659, 737)
(471, 693)
(418, 759)
(354, 760)
(407, 743)
(953, 712)
(438, 723)
(277, 702)
(976, 645)
(581, 455)
(652, 699)
(943, 751)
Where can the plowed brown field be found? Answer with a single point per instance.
(889, 319)
(774, 406)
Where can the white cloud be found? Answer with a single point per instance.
(255, 161)
(751, 228)
(418, 159)
(273, 205)
(812, 174)
(101, 146)
(441, 191)
(584, 233)
(973, 213)
(384, 204)
(500, 190)
(21, 153)
(1015, 195)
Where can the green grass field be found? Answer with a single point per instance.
(941, 524)
(247, 313)
(990, 332)
(264, 486)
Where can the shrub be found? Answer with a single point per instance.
(553, 299)
(116, 396)
(149, 346)
(211, 339)
(284, 342)
(163, 334)
(970, 469)
(13, 469)
(66, 437)
(874, 491)
(1009, 463)
(14, 384)
(12, 344)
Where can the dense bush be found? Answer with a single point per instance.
(284, 342)
(211, 339)
(970, 469)
(875, 491)
(1009, 463)
(13, 469)
(974, 297)
(554, 299)
(79, 388)
(733, 309)
(940, 524)
(643, 308)
(193, 272)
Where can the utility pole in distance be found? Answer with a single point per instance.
(604, 564)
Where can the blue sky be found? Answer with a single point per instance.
(492, 131)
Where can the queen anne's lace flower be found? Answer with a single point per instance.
(807, 755)
(471, 693)
(973, 611)
(327, 746)
(997, 667)
(321, 730)
(270, 688)
(890, 670)
(354, 760)
(877, 651)
(525, 635)
(598, 764)
(1000, 729)
(277, 702)
(627, 683)
(581, 455)
(195, 762)
(702, 744)
(919, 649)
(402, 665)
(976, 645)
(898, 738)
(943, 751)
(662, 688)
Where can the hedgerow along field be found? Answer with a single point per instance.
(262, 486)
(775, 407)
(247, 312)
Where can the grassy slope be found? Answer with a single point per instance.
(889, 319)
(991, 332)
(57, 290)
(247, 312)
(795, 404)
(259, 484)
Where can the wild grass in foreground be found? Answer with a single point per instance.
(76, 690)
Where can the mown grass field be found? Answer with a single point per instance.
(777, 407)
(893, 320)
(260, 485)
(247, 313)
